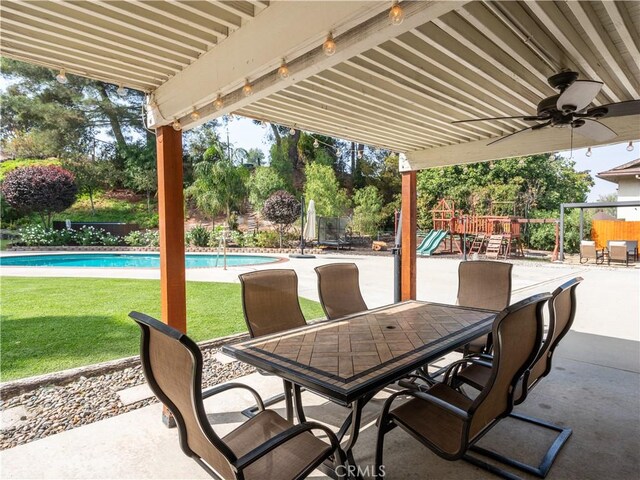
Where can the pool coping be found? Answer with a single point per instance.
(230, 250)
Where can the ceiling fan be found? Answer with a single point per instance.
(569, 109)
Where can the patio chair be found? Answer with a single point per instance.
(270, 305)
(339, 289)
(483, 284)
(562, 309)
(619, 252)
(448, 422)
(588, 251)
(265, 446)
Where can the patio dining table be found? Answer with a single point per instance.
(350, 359)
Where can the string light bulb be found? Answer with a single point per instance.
(177, 126)
(329, 45)
(630, 146)
(359, 154)
(247, 89)
(195, 116)
(292, 131)
(396, 14)
(316, 144)
(218, 103)
(62, 77)
(588, 154)
(121, 91)
(283, 71)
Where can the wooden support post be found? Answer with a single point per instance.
(171, 213)
(409, 240)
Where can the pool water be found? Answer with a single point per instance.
(116, 260)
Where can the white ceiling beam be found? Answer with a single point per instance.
(472, 92)
(371, 110)
(419, 96)
(85, 8)
(26, 20)
(254, 51)
(233, 8)
(347, 114)
(625, 32)
(375, 95)
(214, 28)
(75, 25)
(154, 76)
(554, 20)
(70, 61)
(229, 21)
(526, 143)
(600, 38)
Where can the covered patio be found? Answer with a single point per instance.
(345, 69)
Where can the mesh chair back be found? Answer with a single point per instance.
(172, 365)
(562, 311)
(339, 290)
(588, 248)
(484, 284)
(270, 301)
(517, 333)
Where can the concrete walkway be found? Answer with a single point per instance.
(594, 388)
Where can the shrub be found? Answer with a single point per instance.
(283, 209)
(267, 239)
(44, 190)
(37, 235)
(198, 236)
(143, 238)
(367, 214)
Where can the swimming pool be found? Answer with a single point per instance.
(124, 260)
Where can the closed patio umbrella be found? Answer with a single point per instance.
(310, 227)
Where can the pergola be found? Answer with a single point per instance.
(397, 86)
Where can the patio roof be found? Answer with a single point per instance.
(392, 86)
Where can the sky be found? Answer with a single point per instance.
(244, 133)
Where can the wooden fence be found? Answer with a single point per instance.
(605, 230)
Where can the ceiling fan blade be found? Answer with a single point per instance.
(578, 95)
(534, 127)
(619, 109)
(527, 118)
(596, 131)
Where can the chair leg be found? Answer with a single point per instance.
(547, 461)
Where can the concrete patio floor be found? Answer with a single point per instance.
(594, 389)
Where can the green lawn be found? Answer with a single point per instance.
(50, 324)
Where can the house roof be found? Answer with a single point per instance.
(392, 86)
(626, 170)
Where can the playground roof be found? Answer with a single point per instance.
(629, 169)
(392, 86)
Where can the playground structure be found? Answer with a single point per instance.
(491, 235)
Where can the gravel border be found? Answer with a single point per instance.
(80, 400)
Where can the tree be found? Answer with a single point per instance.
(536, 182)
(255, 157)
(283, 209)
(367, 213)
(261, 184)
(141, 168)
(90, 176)
(45, 118)
(322, 186)
(44, 190)
(219, 187)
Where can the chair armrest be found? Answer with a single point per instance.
(228, 386)
(452, 370)
(458, 412)
(283, 437)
